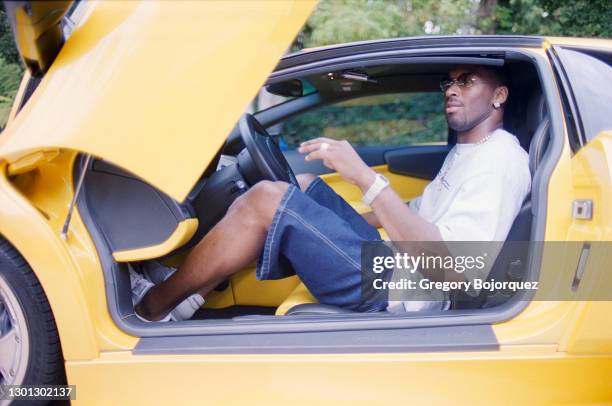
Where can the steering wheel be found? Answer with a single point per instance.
(265, 153)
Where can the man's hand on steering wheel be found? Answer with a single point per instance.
(341, 157)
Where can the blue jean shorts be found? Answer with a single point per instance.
(317, 235)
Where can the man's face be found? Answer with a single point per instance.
(467, 106)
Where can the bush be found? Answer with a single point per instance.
(10, 75)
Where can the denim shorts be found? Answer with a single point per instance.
(317, 235)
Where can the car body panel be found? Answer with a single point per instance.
(591, 330)
(557, 322)
(534, 375)
(85, 105)
(581, 42)
(34, 207)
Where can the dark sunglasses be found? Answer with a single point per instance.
(465, 80)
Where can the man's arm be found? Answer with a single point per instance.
(399, 221)
(372, 219)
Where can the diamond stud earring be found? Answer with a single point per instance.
(496, 105)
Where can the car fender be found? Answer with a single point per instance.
(64, 282)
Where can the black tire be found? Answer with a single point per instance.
(45, 361)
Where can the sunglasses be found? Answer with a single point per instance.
(465, 80)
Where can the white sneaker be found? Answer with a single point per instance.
(157, 273)
(140, 287)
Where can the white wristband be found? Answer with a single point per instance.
(380, 183)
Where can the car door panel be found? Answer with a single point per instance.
(584, 73)
(371, 155)
(422, 162)
(408, 168)
(407, 187)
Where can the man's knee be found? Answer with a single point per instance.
(261, 200)
(305, 179)
(267, 190)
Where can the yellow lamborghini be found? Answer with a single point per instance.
(123, 146)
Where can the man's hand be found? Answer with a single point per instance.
(389, 210)
(341, 157)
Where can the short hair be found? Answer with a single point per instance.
(499, 74)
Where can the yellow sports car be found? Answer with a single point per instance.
(124, 146)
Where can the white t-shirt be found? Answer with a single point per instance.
(476, 195)
(478, 191)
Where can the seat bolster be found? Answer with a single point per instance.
(538, 144)
(301, 302)
(299, 295)
(315, 308)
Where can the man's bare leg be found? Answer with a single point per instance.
(230, 246)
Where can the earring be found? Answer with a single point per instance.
(496, 105)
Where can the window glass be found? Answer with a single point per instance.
(591, 81)
(390, 119)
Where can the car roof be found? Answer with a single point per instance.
(322, 53)
(363, 47)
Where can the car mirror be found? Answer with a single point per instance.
(289, 88)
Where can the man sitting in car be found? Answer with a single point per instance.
(313, 232)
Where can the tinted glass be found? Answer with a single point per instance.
(390, 119)
(591, 81)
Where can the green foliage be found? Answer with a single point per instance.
(394, 119)
(7, 44)
(591, 18)
(581, 18)
(348, 20)
(5, 109)
(337, 21)
(10, 75)
(10, 69)
(519, 17)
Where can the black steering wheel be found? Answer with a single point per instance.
(265, 153)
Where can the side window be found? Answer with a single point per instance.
(389, 119)
(591, 81)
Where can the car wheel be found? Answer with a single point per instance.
(30, 351)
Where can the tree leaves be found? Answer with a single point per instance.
(338, 21)
(10, 68)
